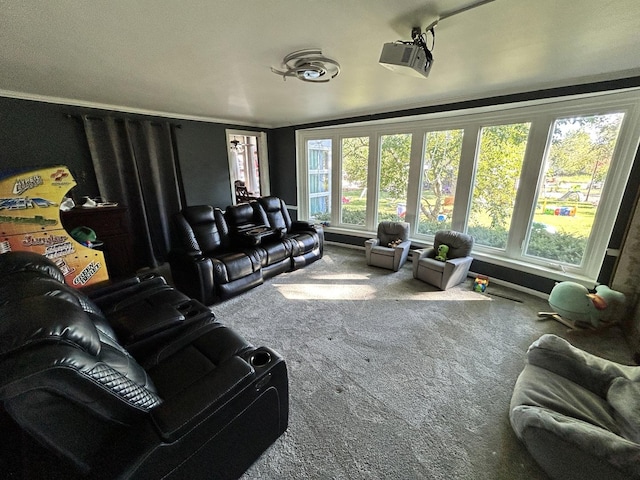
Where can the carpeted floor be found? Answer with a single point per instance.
(393, 379)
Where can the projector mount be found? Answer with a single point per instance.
(420, 40)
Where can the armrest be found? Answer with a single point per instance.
(117, 292)
(459, 260)
(257, 234)
(423, 253)
(588, 446)
(582, 368)
(182, 412)
(419, 254)
(368, 245)
(403, 246)
(193, 274)
(105, 288)
(400, 254)
(227, 344)
(372, 242)
(143, 319)
(304, 225)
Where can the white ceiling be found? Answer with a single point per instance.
(211, 59)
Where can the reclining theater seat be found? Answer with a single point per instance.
(307, 240)
(74, 402)
(578, 414)
(247, 227)
(206, 266)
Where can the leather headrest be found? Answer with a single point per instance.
(270, 203)
(45, 319)
(25, 261)
(198, 214)
(33, 284)
(240, 213)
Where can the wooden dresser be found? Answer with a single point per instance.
(112, 228)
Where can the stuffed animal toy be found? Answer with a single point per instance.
(574, 302)
(395, 243)
(480, 283)
(442, 253)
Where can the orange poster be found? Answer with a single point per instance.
(30, 220)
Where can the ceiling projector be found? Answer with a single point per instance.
(407, 58)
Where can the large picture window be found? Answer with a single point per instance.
(538, 186)
(319, 179)
(575, 172)
(354, 161)
(498, 168)
(439, 178)
(395, 151)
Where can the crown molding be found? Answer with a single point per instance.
(122, 109)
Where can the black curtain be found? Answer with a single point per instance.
(135, 165)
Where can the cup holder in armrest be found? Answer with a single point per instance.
(148, 276)
(260, 358)
(193, 309)
(257, 234)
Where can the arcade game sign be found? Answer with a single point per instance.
(30, 220)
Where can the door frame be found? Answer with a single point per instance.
(263, 160)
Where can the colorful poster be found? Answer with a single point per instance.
(30, 220)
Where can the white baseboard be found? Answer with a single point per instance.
(514, 286)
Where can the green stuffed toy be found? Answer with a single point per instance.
(442, 253)
(574, 302)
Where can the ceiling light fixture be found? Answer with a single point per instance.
(309, 66)
(236, 146)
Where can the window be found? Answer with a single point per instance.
(575, 172)
(439, 177)
(319, 160)
(355, 162)
(538, 186)
(498, 169)
(395, 151)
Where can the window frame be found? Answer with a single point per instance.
(542, 115)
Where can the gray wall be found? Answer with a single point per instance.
(35, 134)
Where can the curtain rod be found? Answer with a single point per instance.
(102, 117)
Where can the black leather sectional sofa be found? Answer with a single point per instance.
(134, 380)
(221, 254)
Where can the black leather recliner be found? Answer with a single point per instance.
(224, 254)
(206, 266)
(195, 401)
(248, 226)
(306, 240)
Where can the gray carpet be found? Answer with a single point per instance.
(392, 379)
